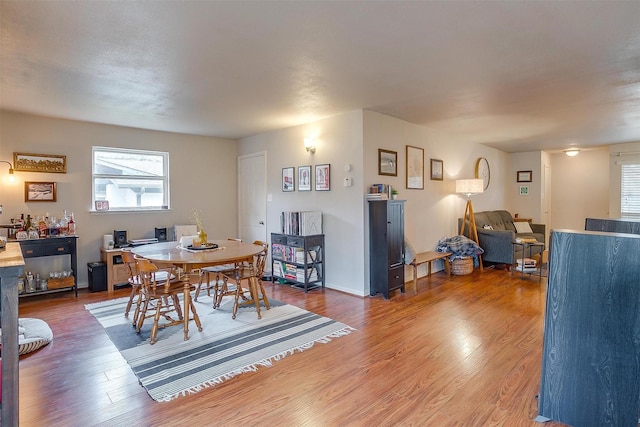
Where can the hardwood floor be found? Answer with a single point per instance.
(459, 352)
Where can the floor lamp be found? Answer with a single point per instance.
(469, 187)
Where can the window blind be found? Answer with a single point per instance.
(630, 191)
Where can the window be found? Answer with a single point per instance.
(130, 179)
(630, 191)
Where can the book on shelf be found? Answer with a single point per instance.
(526, 240)
(302, 223)
(292, 254)
(526, 269)
(527, 262)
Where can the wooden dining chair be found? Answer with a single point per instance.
(131, 261)
(246, 273)
(160, 299)
(218, 272)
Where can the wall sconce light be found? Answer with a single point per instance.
(572, 152)
(12, 177)
(309, 145)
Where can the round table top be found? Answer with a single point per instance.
(228, 251)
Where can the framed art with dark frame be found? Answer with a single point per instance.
(387, 162)
(415, 168)
(524, 176)
(39, 191)
(29, 162)
(437, 170)
(323, 177)
(304, 178)
(288, 183)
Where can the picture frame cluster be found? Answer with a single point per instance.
(388, 166)
(320, 179)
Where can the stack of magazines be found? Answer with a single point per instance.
(526, 265)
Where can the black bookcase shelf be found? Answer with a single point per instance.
(298, 260)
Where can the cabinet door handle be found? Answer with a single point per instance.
(29, 251)
(61, 249)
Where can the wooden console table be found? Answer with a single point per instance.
(52, 246)
(117, 272)
(11, 266)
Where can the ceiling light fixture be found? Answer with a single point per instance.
(572, 152)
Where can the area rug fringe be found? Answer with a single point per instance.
(172, 367)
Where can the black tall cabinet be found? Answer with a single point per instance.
(386, 246)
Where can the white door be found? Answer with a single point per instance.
(252, 197)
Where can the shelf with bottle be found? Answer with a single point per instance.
(39, 227)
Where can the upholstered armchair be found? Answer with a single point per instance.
(496, 234)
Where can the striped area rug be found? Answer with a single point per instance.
(225, 348)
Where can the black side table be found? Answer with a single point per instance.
(529, 270)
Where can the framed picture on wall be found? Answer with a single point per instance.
(39, 191)
(49, 163)
(437, 170)
(387, 162)
(304, 178)
(288, 183)
(323, 177)
(524, 176)
(415, 167)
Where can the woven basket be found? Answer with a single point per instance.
(462, 266)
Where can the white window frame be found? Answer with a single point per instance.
(165, 178)
(630, 190)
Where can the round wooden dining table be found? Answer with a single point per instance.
(227, 252)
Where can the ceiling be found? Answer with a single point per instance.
(517, 76)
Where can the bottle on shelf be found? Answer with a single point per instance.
(42, 227)
(53, 226)
(71, 225)
(63, 224)
(30, 282)
(27, 224)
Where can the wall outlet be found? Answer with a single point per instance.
(348, 182)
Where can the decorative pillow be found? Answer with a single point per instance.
(409, 252)
(522, 227)
(32, 334)
(488, 227)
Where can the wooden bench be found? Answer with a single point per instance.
(428, 257)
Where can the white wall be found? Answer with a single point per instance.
(339, 144)
(202, 170)
(525, 206)
(580, 188)
(431, 213)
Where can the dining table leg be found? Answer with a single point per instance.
(188, 310)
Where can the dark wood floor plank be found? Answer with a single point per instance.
(465, 351)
